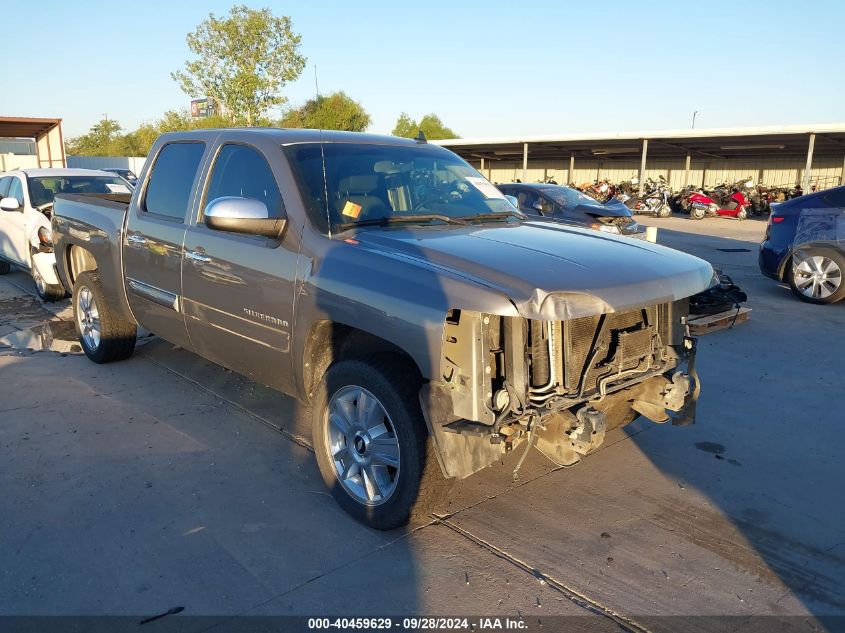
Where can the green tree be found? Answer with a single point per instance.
(405, 126)
(139, 141)
(105, 139)
(98, 141)
(336, 111)
(242, 61)
(430, 124)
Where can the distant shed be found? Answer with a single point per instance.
(43, 137)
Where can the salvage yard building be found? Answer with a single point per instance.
(778, 156)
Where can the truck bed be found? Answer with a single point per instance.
(118, 201)
(93, 222)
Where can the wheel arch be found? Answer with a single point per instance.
(786, 262)
(78, 259)
(329, 341)
(784, 266)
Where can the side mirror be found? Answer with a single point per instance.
(10, 204)
(242, 215)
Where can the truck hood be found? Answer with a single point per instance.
(549, 271)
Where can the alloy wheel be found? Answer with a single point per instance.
(363, 445)
(88, 318)
(817, 276)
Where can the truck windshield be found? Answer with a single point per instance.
(43, 189)
(365, 183)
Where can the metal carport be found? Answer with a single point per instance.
(47, 132)
(796, 146)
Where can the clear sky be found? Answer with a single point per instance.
(487, 68)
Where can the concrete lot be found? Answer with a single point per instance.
(164, 481)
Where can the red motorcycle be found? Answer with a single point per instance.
(701, 205)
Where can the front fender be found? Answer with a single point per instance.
(45, 264)
(394, 299)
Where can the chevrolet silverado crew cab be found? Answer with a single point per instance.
(429, 325)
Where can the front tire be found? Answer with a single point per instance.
(47, 292)
(371, 441)
(664, 211)
(742, 215)
(104, 334)
(696, 213)
(816, 275)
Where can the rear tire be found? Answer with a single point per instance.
(105, 335)
(379, 464)
(664, 211)
(816, 275)
(696, 214)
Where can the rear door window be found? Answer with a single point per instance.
(171, 180)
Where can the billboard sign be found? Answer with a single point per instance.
(202, 108)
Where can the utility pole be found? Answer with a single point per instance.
(693, 119)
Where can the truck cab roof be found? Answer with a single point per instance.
(290, 136)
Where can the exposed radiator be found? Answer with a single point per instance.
(626, 341)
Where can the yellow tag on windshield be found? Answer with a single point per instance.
(351, 210)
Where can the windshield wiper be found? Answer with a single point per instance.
(402, 219)
(495, 216)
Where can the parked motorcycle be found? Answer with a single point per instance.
(702, 205)
(679, 202)
(761, 199)
(654, 200)
(601, 190)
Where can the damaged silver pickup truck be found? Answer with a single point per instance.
(429, 325)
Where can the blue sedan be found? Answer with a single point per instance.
(804, 245)
(570, 206)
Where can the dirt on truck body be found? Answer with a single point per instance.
(429, 324)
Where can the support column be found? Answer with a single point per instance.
(571, 173)
(809, 168)
(686, 170)
(482, 165)
(642, 165)
(524, 162)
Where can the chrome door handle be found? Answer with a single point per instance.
(140, 240)
(197, 256)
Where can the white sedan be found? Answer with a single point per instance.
(26, 203)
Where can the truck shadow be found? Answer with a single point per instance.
(765, 448)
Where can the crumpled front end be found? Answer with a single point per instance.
(559, 383)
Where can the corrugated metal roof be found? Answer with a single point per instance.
(683, 133)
